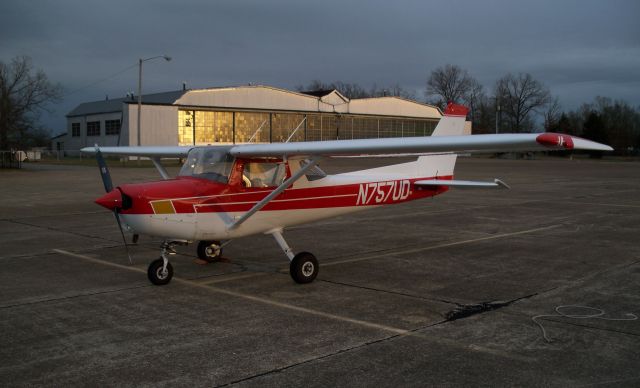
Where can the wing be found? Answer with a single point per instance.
(158, 152)
(416, 145)
(387, 146)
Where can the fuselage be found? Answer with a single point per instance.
(193, 208)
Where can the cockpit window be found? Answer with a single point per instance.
(207, 163)
(314, 173)
(263, 174)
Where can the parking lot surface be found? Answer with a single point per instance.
(460, 289)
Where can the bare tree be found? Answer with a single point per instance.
(449, 83)
(354, 90)
(393, 91)
(23, 96)
(520, 96)
(474, 100)
(552, 115)
(349, 90)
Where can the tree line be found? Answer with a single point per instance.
(516, 103)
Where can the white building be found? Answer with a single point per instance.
(242, 114)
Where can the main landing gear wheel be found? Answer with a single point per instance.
(157, 275)
(304, 268)
(209, 251)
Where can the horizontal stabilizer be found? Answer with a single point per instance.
(496, 184)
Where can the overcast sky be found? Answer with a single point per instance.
(579, 49)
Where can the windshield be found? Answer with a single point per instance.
(208, 163)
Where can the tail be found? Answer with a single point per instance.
(451, 124)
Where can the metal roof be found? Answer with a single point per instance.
(318, 92)
(115, 105)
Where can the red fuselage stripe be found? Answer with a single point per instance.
(358, 194)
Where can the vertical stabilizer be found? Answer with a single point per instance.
(451, 124)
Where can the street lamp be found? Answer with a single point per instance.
(166, 58)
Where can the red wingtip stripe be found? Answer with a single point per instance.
(555, 140)
(456, 110)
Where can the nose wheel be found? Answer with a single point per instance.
(160, 271)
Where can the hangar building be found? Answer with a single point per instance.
(244, 114)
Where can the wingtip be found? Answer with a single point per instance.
(584, 144)
(567, 142)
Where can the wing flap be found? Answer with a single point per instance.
(496, 184)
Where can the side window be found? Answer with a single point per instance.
(258, 174)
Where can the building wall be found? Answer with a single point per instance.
(159, 125)
(73, 143)
(228, 115)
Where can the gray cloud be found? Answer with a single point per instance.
(580, 49)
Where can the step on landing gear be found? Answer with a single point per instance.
(303, 267)
(160, 271)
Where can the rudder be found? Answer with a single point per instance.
(451, 124)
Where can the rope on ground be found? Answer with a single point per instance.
(590, 313)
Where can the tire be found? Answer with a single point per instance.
(155, 273)
(207, 253)
(304, 268)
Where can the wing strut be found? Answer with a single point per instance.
(310, 164)
(163, 172)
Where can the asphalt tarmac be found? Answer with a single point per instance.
(457, 290)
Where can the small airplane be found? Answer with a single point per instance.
(223, 192)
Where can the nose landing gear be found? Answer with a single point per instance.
(160, 271)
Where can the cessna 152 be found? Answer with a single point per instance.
(228, 191)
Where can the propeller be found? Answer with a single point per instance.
(108, 187)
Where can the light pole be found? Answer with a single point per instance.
(166, 58)
(497, 113)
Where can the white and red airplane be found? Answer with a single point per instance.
(228, 191)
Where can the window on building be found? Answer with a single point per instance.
(284, 125)
(186, 127)
(329, 127)
(75, 129)
(252, 126)
(314, 128)
(205, 127)
(345, 128)
(112, 127)
(93, 128)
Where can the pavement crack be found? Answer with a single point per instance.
(390, 292)
(310, 360)
(465, 311)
